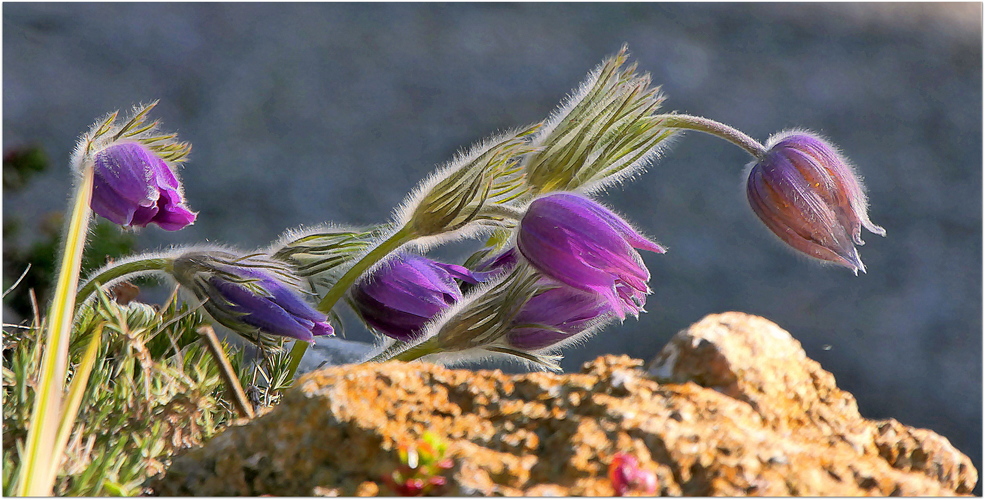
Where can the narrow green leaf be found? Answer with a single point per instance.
(36, 476)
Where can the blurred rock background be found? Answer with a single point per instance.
(303, 113)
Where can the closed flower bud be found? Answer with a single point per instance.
(807, 194)
(134, 187)
(582, 244)
(556, 315)
(400, 297)
(251, 295)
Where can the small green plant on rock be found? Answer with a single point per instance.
(421, 467)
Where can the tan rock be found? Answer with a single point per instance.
(732, 406)
(753, 360)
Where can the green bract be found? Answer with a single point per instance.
(470, 189)
(605, 132)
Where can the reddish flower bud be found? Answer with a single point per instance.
(809, 196)
(627, 477)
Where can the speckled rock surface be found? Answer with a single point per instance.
(732, 406)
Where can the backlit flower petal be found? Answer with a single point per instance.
(134, 187)
(578, 242)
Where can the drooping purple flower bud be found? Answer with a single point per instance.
(582, 244)
(555, 315)
(807, 194)
(404, 294)
(132, 186)
(252, 295)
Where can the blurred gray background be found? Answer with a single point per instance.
(303, 113)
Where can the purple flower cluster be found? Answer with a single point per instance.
(592, 271)
(584, 245)
(559, 264)
(134, 186)
(589, 272)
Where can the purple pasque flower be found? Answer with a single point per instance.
(807, 194)
(132, 186)
(251, 295)
(400, 297)
(582, 244)
(556, 314)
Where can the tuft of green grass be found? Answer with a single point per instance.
(155, 389)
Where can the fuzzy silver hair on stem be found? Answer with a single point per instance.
(468, 191)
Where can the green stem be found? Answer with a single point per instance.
(112, 273)
(416, 352)
(39, 464)
(394, 352)
(717, 129)
(338, 290)
(76, 392)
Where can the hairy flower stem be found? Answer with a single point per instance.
(76, 390)
(396, 352)
(338, 290)
(116, 272)
(504, 211)
(39, 465)
(717, 129)
(416, 352)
